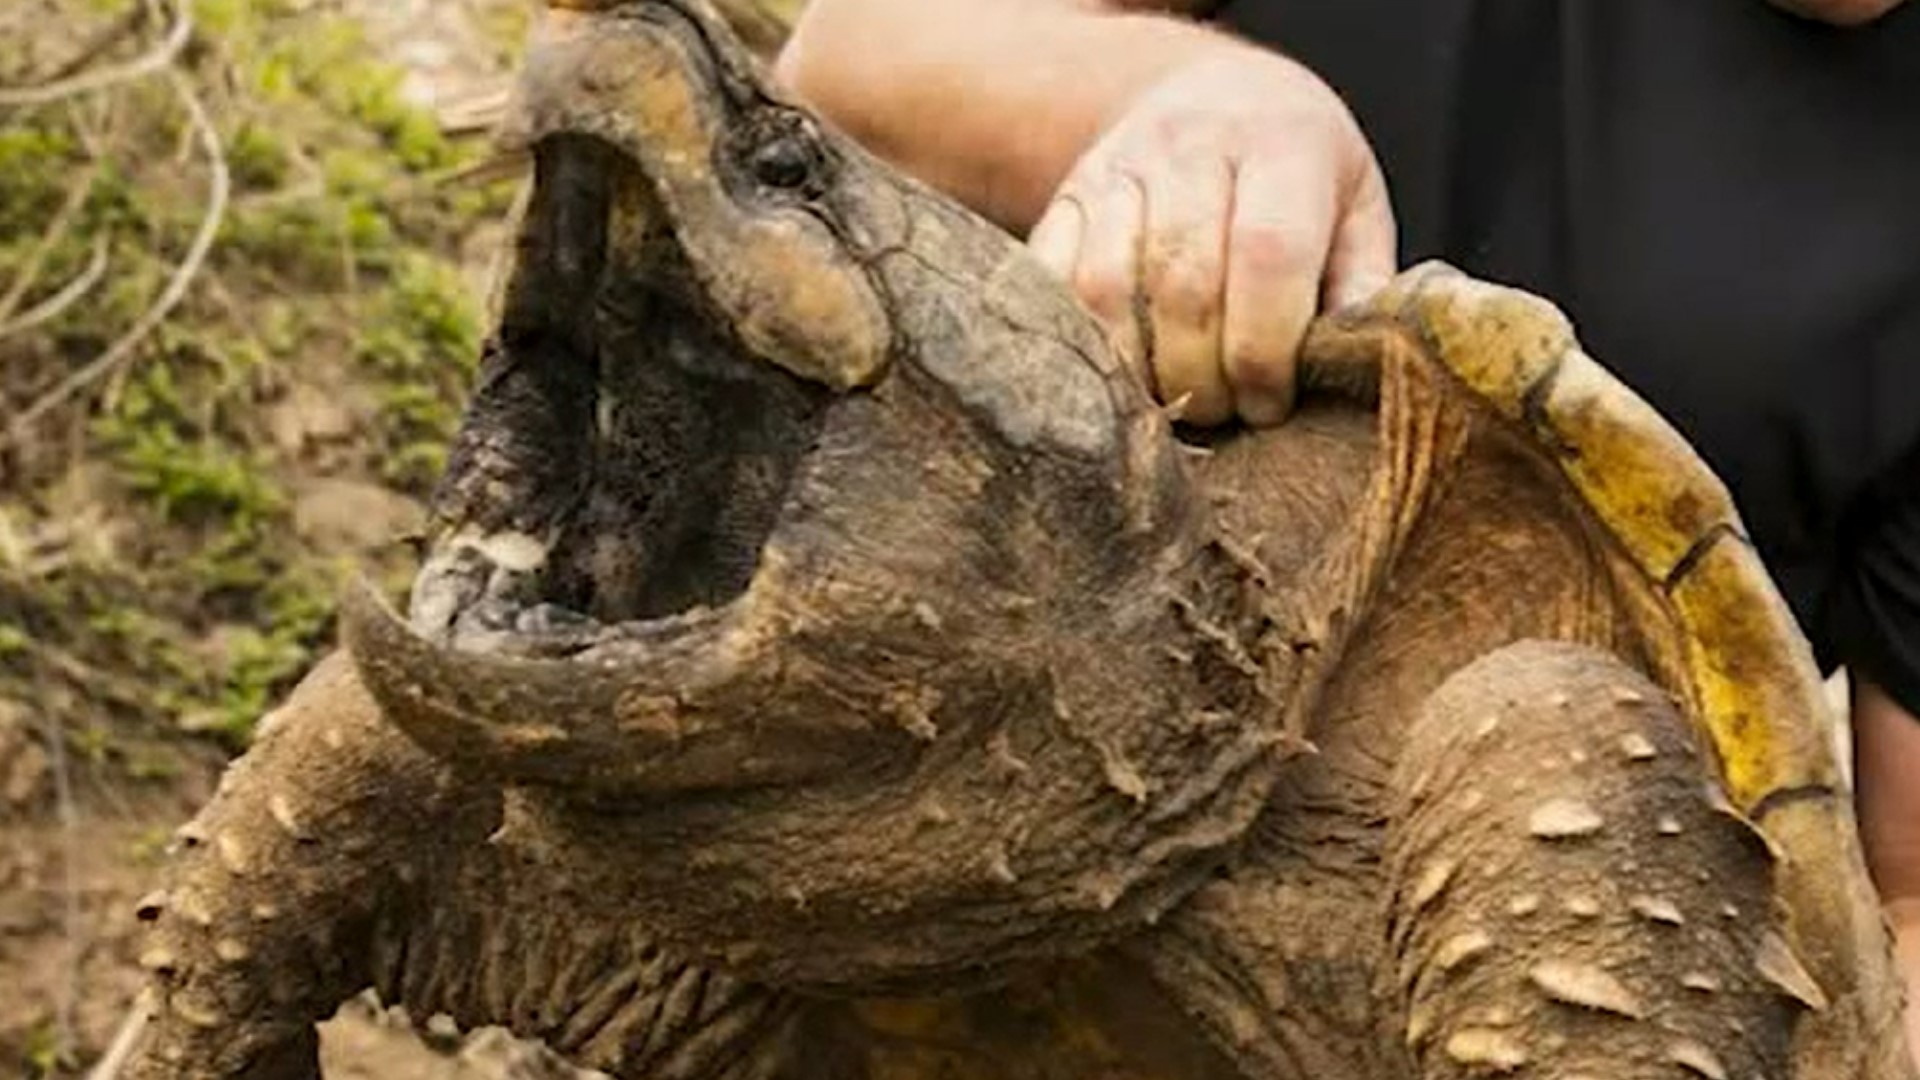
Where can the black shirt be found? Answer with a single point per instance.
(1726, 200)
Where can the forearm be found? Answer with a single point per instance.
(1887, 785)
(990, 100)
(1886, 759)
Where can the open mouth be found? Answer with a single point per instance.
(656, 451)
(611, 602)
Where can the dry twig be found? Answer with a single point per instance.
(57, 230)
(91, 679)
(116, 354)
(124, 1040)
(68, 295)
(88, 82)
(69, 990)
(101, 43)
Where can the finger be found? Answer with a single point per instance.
(1283, 211)
(1183, 265)
(1364, 254)
(1107, 276)
(1055, 241)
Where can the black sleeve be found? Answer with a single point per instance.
(1873, 611)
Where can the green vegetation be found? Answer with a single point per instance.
(152, 563)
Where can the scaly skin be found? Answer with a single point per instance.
(949, 717)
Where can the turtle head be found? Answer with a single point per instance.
(769, 443)
(798, 512)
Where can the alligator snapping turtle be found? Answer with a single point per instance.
(830, 662)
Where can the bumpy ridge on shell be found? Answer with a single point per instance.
(1755, 685)
(1749, 677)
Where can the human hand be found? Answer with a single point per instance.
(1227, 205)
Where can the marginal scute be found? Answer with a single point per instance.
(1622, 456)
(1499, 341)
(1746, 654)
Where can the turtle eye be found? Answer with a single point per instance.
(780, 150)
(787, 161)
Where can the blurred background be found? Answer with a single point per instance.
(245, 247)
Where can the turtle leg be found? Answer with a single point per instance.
(511, 938)
(1567, 893)
(338, 856)
(277, 889)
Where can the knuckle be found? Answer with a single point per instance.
(1271, 142)
(1171, 129)
(1258, 365)
(1267, 249)
(1102, 289)
(1187, 289)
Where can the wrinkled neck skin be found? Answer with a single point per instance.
(991, 690)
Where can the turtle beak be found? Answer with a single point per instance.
(694, 702)
(667, 88)
(535, 720)
(599, 609)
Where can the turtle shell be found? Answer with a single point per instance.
(1733, 655)
(1705, 622)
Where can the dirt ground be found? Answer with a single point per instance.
(75, 859)
(81, 840)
